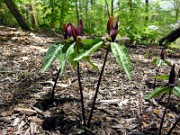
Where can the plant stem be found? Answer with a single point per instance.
(97, 88)
(54, 86)
(174, 125)
(162, 96)
(157, 71)
(81, 93)
(162, 121)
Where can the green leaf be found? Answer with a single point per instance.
(122, 57)
(157, 91)
(162, 77)
(71, 59)
(66, 46)
(86, 53)
(176, 90)
(159, 62)
(65, 57)
(155, 61)
(53, 52)
(90, 42)
(91, 63)
(168, 63)
(61, 60)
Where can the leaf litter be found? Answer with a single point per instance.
(120, 107)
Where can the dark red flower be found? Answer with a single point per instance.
(74, 32)
(67, 30)
(80, 27)
(112, 28)
(162, 56)
(70, 30)
(110, 24)
(172, 76)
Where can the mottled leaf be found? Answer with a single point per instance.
(158, 62)
(53, 52)
(122, 57)
(65, 57)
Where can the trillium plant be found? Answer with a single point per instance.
(173, 87)
(76, 48)
(159, 62)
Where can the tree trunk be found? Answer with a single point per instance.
(52, 24)
(177, 9)
(112, 7)
(80, 8)
(20, 19)
(171, 36)
(1, 15)
(131, 12)
(33, 17)
(147, 10)
(93, 5)
(62, 14)
(77, 10)
(108, 12)
(86, 14)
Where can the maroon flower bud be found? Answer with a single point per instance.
(114, 31)
(80, 27)
(110, 24)
(112, 28)
(162, 56)
(74, 32)
(69, 29)
(172, 76)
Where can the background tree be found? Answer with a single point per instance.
(176, 9)
(143, 22)
(20, 19)
(32, 14)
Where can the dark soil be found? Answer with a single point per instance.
(120, 107)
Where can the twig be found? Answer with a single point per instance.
(157, 71)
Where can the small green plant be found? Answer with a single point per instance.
(118, 50)
(66, 52)
(173, 87)
(159, 63)
(77, 49)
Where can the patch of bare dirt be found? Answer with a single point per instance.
(120, 106)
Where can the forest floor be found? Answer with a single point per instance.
(120, 108)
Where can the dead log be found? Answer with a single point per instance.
(170, 37)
